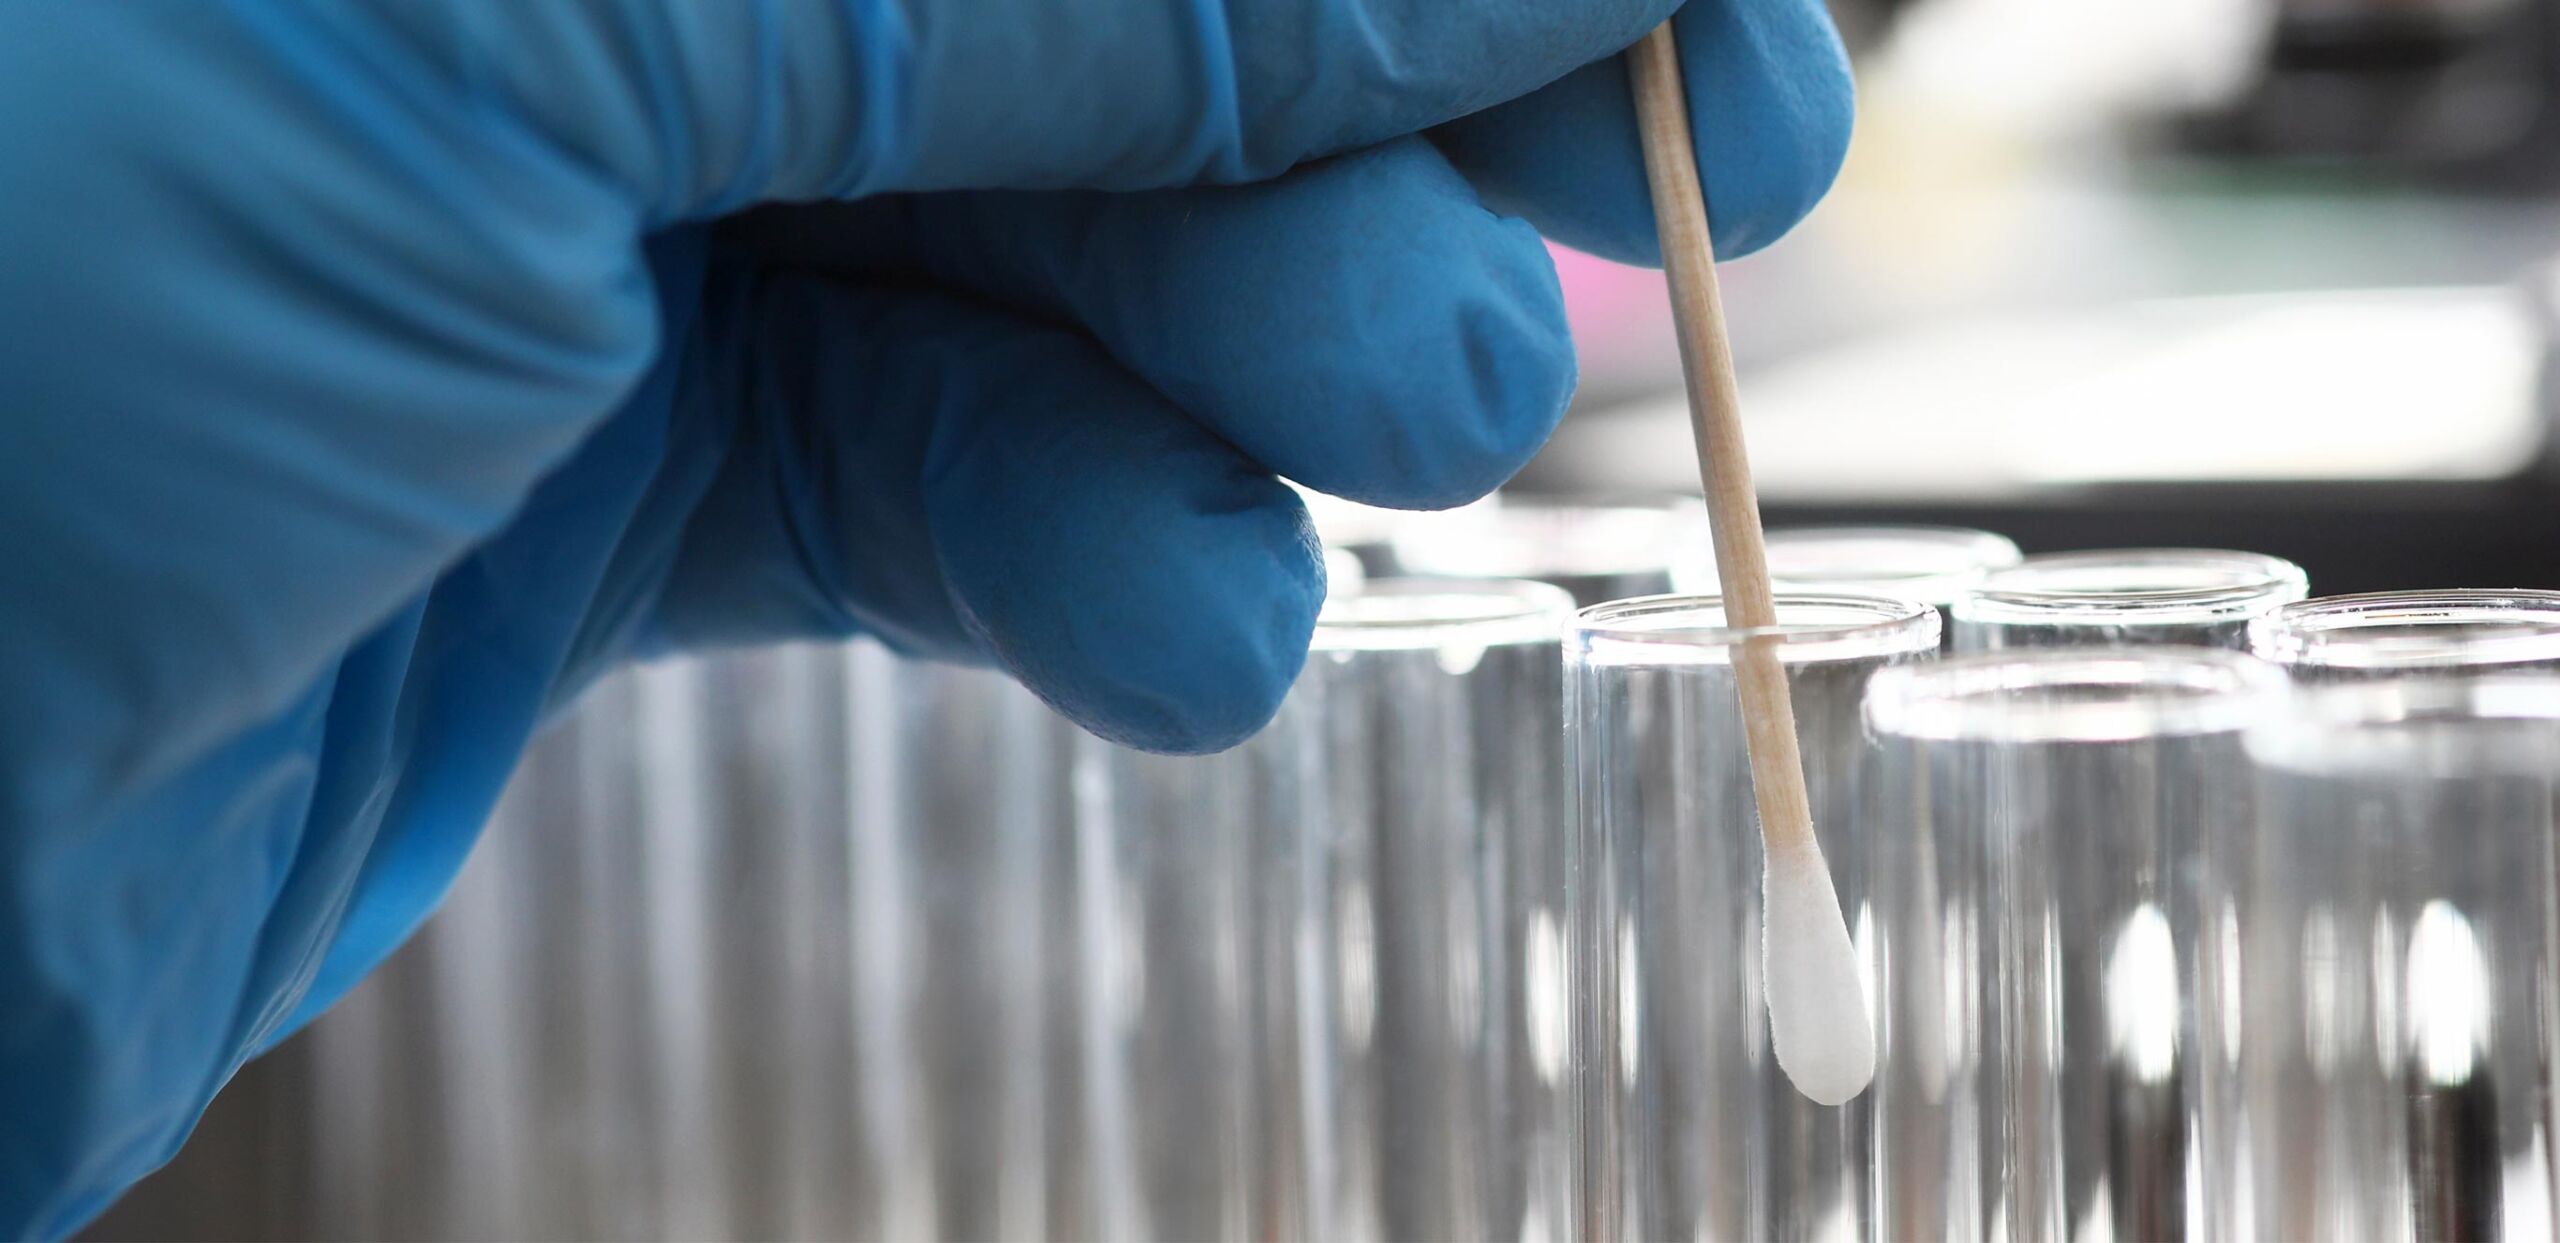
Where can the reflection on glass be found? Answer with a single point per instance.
(2142, 996)
(2448, 996)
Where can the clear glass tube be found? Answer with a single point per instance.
(1441, 826)
(2391, 1058)
(1693, 1131)
(1326, 968)
(2392, 633)
(776, 944)
(2136, 596)
(1594, 552)
(2037, 908)
(1933, 565)
(1188, 1088)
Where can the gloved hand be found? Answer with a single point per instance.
(374, 375)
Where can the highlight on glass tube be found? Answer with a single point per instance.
(2038, 922)
(1693, 1127)
(2198, 596)
(2392, 633)
(2395, 935)
(1933, 565)
(1594, 552)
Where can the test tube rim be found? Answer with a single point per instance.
(2257, 584)
(2166, 691)
(2363, 728)
(1630, 631)
(1942, 585)
(2334, 632)
(1530, 612)
(1421, 547)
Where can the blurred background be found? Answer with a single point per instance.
(2268, 274)
(2263, 274)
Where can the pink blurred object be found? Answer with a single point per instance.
(1621, 318)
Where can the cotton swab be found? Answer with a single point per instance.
(1818, 1020)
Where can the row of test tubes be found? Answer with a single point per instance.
(2189, 908)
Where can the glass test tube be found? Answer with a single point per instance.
(2394, 633)
(827, 977)
(1439, 872)
(1594, 552)
(2114, 598)
(1933, 565)
(961, 954)
(1180, 1071)
(2399, 960)
(773, 944)
(2039, 985)
(1326, 968)
(1693, 1130)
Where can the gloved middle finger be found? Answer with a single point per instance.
(1363, 325)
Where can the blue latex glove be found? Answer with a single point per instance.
(374, 375)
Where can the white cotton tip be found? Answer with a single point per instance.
(1818, 1019)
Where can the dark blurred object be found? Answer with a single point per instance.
(2460, 90)
(1863, 23)
(2350, 538)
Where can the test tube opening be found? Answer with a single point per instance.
(1933, 565)
(2135, 587)
(1692, 629)
(1400, 614)
(2412, 630)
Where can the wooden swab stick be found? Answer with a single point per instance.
(1818, 1019)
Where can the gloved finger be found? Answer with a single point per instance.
(1125, 564)
(1361, 325)
(1769, 109)
(813, 525)
(702, 108)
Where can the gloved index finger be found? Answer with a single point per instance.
(1769, 108)
(1362, 326)
(705, 108)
